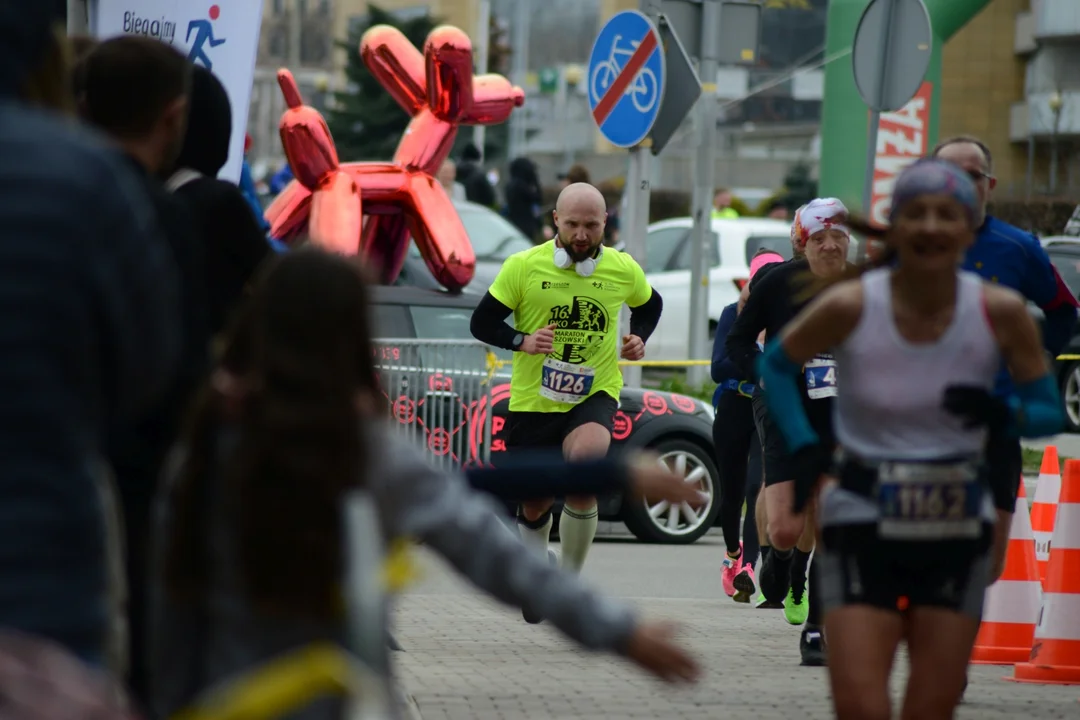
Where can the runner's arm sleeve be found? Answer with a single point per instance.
(542, 474)
(779, 372)
(722, 367)
(488, 323)
(742, 347)
(1036, 407)
(644, 318)
(437, 507)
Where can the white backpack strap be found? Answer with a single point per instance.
(181, 178)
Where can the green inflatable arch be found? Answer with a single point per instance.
(845, 118)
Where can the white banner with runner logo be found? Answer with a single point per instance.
(220, 35)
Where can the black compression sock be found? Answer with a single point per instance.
(798, 568)
(813, 610)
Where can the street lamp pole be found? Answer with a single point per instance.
(1056, 103)
(572, 75)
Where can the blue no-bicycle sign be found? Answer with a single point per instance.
(626, 78)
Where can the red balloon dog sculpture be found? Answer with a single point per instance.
(402, 197)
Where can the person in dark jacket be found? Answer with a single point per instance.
(88, 318)
(523, 198)
(236, 244)
(735, 439)
(470, 173)
(135, 89)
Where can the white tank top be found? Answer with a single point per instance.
(888, 405)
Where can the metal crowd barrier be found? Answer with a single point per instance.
(440, 393)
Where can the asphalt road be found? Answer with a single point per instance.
(467, 657)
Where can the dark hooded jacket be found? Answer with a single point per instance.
(88, 318)
(235, 243)
(523, 197)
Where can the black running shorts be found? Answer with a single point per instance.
(857, 568)
(549, 429)
(775, 460)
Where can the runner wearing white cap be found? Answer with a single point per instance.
(820, 243)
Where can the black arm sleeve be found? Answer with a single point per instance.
(644, 318)
(488, 324)
(541, 474)
(741, 342)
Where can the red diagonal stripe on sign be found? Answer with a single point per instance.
(629, 72)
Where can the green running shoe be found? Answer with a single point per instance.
(764, 603)
(796, 608)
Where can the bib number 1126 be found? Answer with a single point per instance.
(565, 382)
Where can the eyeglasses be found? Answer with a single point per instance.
(978, 175)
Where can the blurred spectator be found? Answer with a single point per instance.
(281, 179)
(722, 205)
(478, 188)
(247, 186)
(235, 243)
(135, 89)
(447, 177)
(88, 318)
(778, 211)
(524, 197)
(577, 173)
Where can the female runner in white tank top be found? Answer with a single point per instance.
(908, 518)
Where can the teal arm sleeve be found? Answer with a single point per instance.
(783, 397)
(1037, 408)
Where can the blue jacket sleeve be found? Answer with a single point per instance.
(1060, 313)
(722, 367)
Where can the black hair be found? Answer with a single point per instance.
(128, 82)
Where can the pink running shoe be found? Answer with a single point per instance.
(745, 585)
(732, 566)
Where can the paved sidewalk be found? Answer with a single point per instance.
(469, 658)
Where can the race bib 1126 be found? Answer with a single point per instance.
(565, 382)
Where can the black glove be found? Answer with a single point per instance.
(811, 462)
(976, 407)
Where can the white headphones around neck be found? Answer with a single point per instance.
(585, 268)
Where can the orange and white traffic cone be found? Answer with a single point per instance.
(1055, 654)
(1011, 608)
(1044, 507)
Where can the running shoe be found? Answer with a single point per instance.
(812, 647)
(535, 618)
(796, 607)
(775, 578)
(732, 566)
(764, 603)
(745, 585)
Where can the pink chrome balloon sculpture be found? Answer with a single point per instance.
(401, 198)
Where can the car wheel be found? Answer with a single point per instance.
(1070, 396)
(677, 525)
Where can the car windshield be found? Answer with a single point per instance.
(780, 244)
(447, 323)
(1068, 266)
(493, 238)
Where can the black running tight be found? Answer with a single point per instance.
(738, 458)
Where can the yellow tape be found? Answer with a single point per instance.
(1068, 357)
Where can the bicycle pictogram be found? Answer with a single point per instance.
(643, 91)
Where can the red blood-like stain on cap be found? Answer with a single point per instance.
(214, 12)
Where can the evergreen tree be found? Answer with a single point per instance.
(800, 187)
(367, 124)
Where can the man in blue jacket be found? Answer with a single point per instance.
(1009, 256)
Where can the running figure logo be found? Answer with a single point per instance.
(204, 33)
(581, 327)
(643, 91)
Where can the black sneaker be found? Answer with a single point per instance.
(812, 647)
(535, 618)
(775, 577)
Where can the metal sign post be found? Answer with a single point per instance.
(638, 191)
(890, 55)
(729, 33)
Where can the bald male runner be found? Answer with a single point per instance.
(565, 296)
